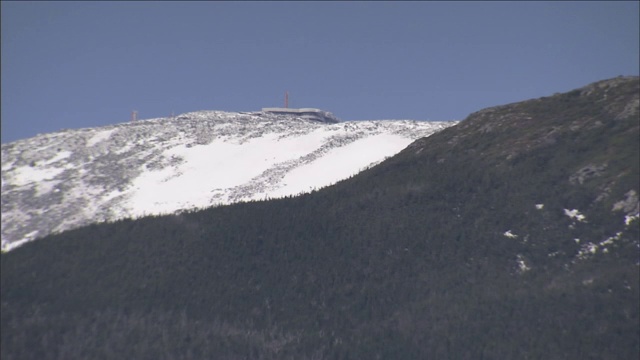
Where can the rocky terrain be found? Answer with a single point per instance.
(59, 181)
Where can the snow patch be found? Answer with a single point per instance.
(628, 219)
(7, 166)
(111, 195)
(218, 165)
(590, 248)
(99, 136)
(204, 174)
(26, 174)
(611, 239)
(522, 264)
(340, 163)
(539, 206)
(586, 250)
(123, 149)
(45, 187)
(59, 156)
(574, 214)
(510, 235)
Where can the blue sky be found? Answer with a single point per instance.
(87, 64)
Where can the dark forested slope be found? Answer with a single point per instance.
(513, 234)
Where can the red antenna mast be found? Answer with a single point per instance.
(286, 99)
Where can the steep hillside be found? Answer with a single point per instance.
(64, 180)
(556, 174)
(512, 235)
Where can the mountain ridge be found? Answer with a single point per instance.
(59, 181)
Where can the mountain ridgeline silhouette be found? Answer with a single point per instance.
(511, 235)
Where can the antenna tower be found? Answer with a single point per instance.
(286, 99)
(134, 115)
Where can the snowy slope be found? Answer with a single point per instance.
(59, 181)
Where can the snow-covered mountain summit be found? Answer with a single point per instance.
(60, 181)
